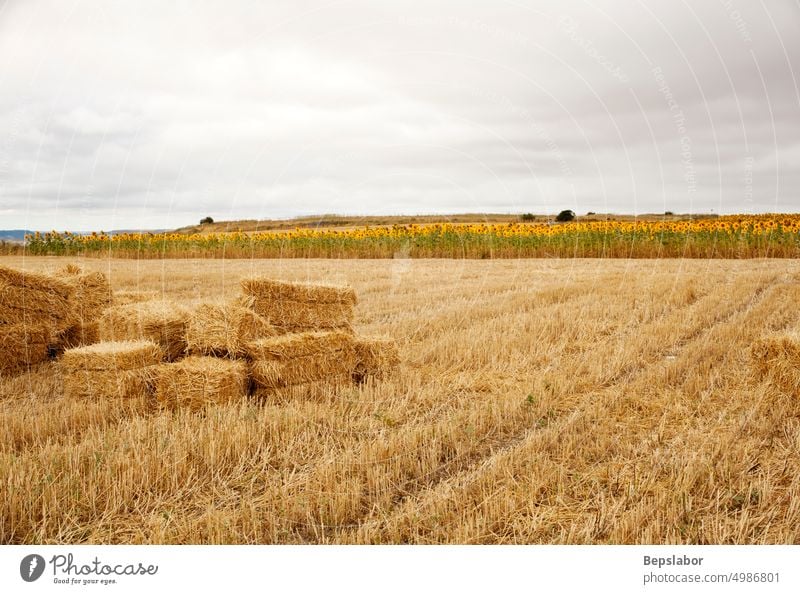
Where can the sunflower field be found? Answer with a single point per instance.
(736, 236)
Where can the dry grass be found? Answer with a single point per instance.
(777, 357)
(536, 402)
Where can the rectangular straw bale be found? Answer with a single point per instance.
(303, 370)
(80, 334)
(277, 290)
(35, 281)
(92, 292)
(112, 356)
(163, 322)
(291, 346)
(92, 296)
(295, 359)
(35, 299)
(123, 383)
(223, 329)
(294, 307)
(375, 357)
(777, 357)
(110, 369)
(22, 345)
(196, 382)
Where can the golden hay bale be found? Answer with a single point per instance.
(375, 357)
(196, 382)
(277, 290)
(22, 345)
(224, 329)
(35, 281)
(777, 357)
(92, 293)
(91, 297)
(126, 297)
(80, 334)
(109, 356)
(303, 370)
(127, 383)
(163, 322)
(110, 369)
(295, 307)
(291, 346)
(295, 359)
(36, 300)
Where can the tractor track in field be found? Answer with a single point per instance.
(411, 486)
(513, 441)
(472, 474)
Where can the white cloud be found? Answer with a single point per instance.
(153, 114)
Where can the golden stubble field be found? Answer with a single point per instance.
(539, 401)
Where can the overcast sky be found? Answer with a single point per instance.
(153, 115)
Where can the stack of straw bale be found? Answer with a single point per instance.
(295, 307)
(376, 357)
(92, 295)
(196, 382)
(111, 369)
(22, 345)
(163, 322)
(278, 334)
(36, 299)
(294, 359)
(777, 357)
(223, 329)
(34, 309)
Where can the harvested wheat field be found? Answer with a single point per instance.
(536, 401)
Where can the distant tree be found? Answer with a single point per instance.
(206, 221)
(528, 217)
(668, 213)
(565, 216)
(590, 213)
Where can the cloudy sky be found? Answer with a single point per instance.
(153, 115)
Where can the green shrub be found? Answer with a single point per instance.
(565, 216)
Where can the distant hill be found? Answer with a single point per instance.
(343, 222)
(18, 235)
(14, 235)
(121, 231)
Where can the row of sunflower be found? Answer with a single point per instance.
(739, 236)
